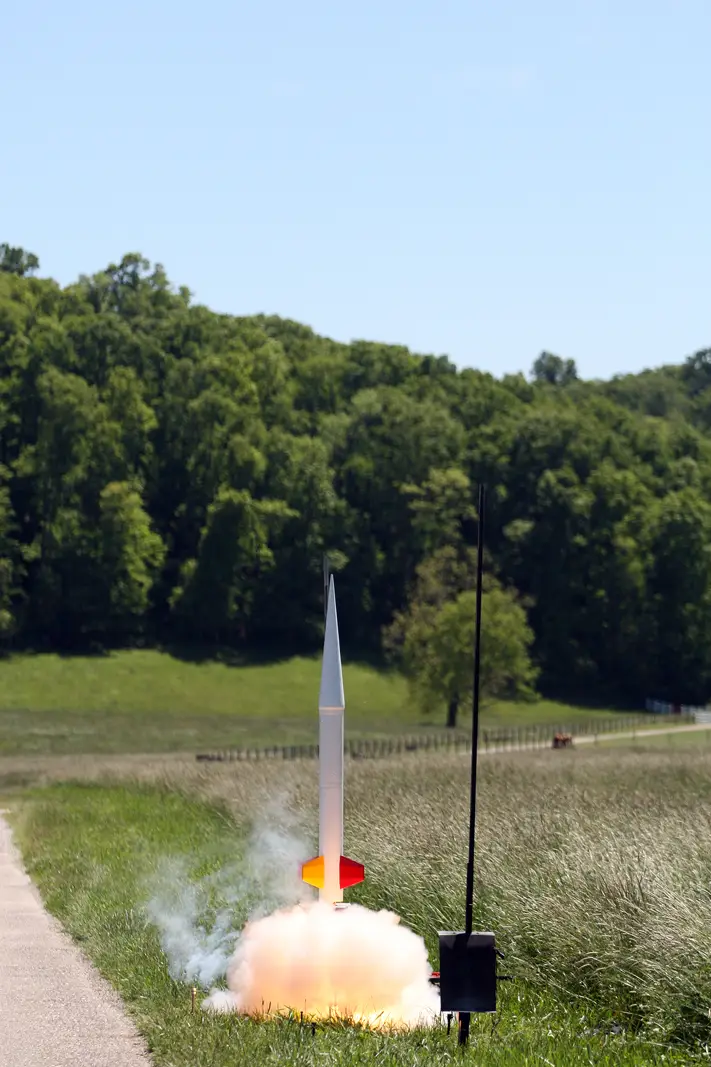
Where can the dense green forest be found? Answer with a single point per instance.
(169, 474)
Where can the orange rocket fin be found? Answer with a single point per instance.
(313, 872)
(351, 872)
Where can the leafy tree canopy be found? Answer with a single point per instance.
(168, 472)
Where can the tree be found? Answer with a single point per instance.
(214, 598)
(554, 370)
(390, 444)
(432, 640)
(441, 508)
(130, 556)
(290, 604)
(17, 261)
(679, 596)
(439, 659)
(9, 560)
(166, 470)
(696, 371)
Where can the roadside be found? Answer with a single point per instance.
(606, 738)
(55, 1009)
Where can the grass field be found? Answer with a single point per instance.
(699, 741)
(593, 868)
(147, 701)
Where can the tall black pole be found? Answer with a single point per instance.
(475, 712)
(465, 1018)
(326, 577)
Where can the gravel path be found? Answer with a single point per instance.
(55, 1009)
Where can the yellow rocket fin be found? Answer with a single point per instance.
(314, 872)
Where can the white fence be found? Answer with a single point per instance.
(661, 707)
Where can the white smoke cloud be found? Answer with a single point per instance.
(197, 949)
(325, 961)
(199, 921)
(255, 922)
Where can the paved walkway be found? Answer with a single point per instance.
(55, 1009)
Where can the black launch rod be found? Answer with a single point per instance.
(326, 579)
(465, 1018)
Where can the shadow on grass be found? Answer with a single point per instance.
(253, 656)
(269, 655)
(603, 698)
(186, 652)
(261, 655)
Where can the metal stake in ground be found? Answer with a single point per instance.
(326, 576)
(465, 1017)
(467, 959)
(475, 712)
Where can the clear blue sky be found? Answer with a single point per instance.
(481, 179)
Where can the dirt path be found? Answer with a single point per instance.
(55, 1009)
(690, 729)
(591, 739)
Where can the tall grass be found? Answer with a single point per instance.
(593, 868)
(595, 871)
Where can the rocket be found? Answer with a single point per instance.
(331, 872)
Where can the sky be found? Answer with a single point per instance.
(481, 180)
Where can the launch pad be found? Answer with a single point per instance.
(467, 978)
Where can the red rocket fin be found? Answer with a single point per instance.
(351, 872)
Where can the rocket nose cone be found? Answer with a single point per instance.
(331, 694)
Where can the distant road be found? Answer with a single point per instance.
(692, 728)
(591, 739)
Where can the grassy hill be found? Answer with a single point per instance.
(149, 701)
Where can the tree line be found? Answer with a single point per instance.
(169, 474)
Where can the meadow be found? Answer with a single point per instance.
(593, 868)
(146, 701)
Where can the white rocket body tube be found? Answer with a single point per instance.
(331, 801)
(331, 712)
(330, 872)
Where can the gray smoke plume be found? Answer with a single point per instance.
(199, 920)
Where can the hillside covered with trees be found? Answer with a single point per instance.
(169, 474)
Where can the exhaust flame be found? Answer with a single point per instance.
(349, 963)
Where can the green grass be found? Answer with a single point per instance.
(593, 869)
(148, 701)
(691, 740)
